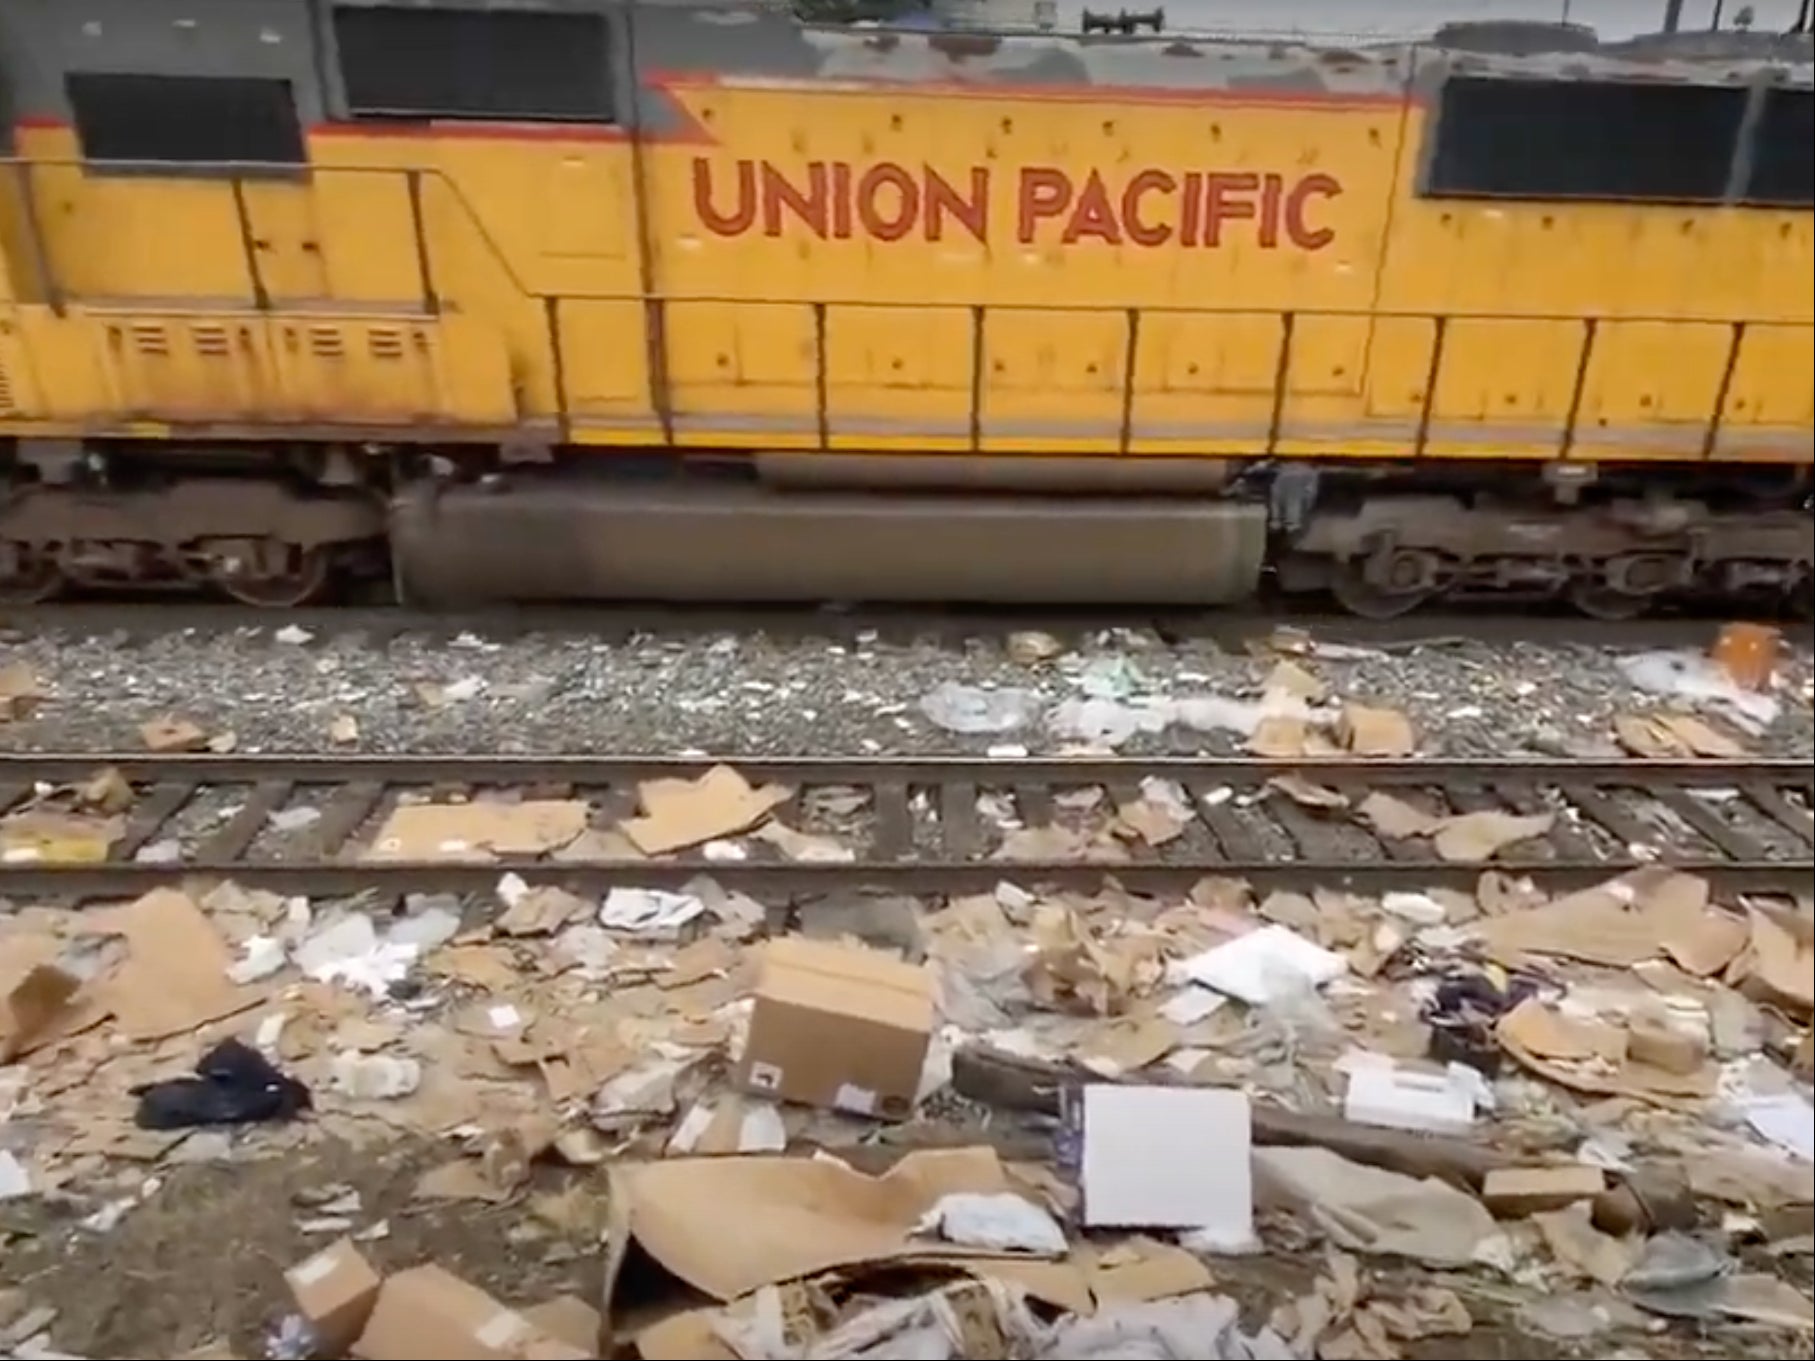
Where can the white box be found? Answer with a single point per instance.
(1169, 1158)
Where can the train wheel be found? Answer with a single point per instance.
(1598, 600)
(27, 576)
(275, 576)
(1360, 591)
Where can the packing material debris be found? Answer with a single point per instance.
(1629, 1069)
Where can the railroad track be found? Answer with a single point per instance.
(922, 825)
(377, 624)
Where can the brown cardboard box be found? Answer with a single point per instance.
(430, 1314)
(838, 1026)
(335, 1291)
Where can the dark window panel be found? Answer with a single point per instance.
(1783, 155)
(1585, 140)
(498, 64)
(206, 119)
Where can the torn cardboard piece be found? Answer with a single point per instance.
(46, 837)
(1460, 838)
(20, 692)
(1777, 965)
(681, 813)
(793, 1217)
(838, 1026)
(1674, 736)
(1367, 730)
(1618, 924)
(36, 1007)
(1369, 1209)
(477, 832)
(1593, 1057)
(173, 734)
(1072, 970)
(175, 974)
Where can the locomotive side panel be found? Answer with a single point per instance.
(1015, 245)
(1597, 308)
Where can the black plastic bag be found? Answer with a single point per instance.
(234, 1085)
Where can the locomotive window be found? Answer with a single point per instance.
(186, 119)
(469, 63)
(1587, 140)
(1783, 166)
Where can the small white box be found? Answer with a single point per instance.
(1169, 1158)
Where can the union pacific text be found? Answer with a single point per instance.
(884, 201)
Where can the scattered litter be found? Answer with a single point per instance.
(1382, 1093)
(1265, 966)
(1001, 1222)
(375, 1077)
(1371, 1209)
(233, 1085)
(681, 813)
(1786, 1119)
(15, 1177)
(21, 692)
(171, 734)
(649, 911)
(477, 831)
(970, 710)
(1673, 736)
(1699, 679)
(294, 819)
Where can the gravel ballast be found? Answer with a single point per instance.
(285, 690)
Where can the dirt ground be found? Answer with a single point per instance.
(200, 1262)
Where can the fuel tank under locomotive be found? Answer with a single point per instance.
(535, 539)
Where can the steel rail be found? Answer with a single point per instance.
(611, 768)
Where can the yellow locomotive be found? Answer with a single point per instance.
(675, 300)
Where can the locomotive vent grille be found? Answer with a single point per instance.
(326, 342)
(211, 340)
(7, 404)
(148, 338)
(385, 343)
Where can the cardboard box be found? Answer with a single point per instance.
(335, 1291)
(430, 1314)
(838, 1026)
